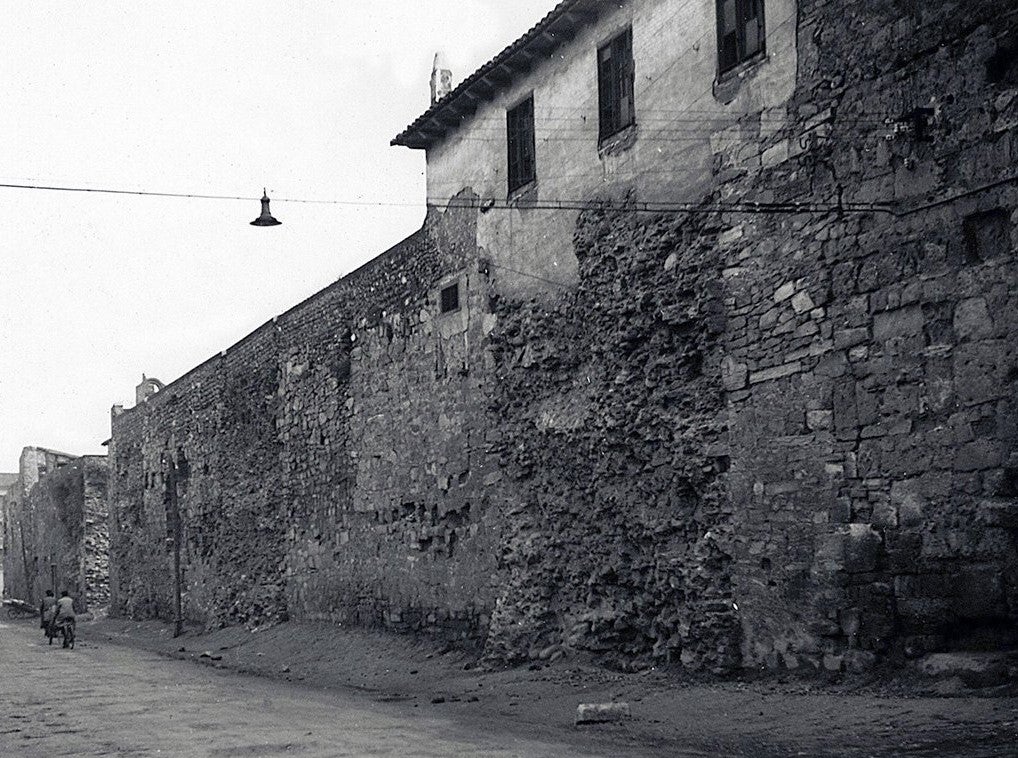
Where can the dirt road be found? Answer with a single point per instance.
(131, 689)
(102, 699)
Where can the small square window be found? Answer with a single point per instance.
(451, 298)
(615, 72)
(740, 31)
(520, 140)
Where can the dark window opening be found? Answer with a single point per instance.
(987, 235)
(520, 139)
(740, 31)
(615, 74)
(1002, 66)
(451, 298)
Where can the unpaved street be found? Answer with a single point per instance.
(106, 700)
(364, 694)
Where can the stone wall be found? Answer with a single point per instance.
(95, 538)
(56, 531)
(329, 465)
(611, 411)
(384, 458)
(870, 356)
(780, 434)
(857, 374)
(7, 483)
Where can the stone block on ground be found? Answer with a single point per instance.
(973, 668)
(602, 713)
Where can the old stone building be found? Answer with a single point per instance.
(705, 353)
(55, 528)
(7, 482)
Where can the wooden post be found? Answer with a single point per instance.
(178, 619)
(29, 567)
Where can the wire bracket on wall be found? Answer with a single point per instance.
(918, 124)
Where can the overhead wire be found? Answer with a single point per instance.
(689, 129)
(686, 130)
(649, 136)
(557, 204)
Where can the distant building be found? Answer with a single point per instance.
(55, 527)
(7, 481)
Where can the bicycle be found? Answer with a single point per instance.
(66, 630)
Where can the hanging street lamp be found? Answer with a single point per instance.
(265, 219)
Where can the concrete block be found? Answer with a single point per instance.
(975, 669)
(775, 154)
(978, 455)
(1002, 513)
(979, 592)
(823, 419)
(734, 375)
(833, 663)
(907, 502)
(859, 661)
(775, 372)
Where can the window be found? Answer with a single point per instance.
(520, 138)
(615, 84)
(740, 31)
(451, 298)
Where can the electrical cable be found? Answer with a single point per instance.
(737, 206)
(105, 191)
(531, 276)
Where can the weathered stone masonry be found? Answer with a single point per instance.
(612, 415)
(298, 491)
(835, 479)
(782, 439)
(56, 528)
(871, 359)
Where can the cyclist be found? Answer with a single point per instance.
(65, 613)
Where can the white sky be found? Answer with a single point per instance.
(206, 97)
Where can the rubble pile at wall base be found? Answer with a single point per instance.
(610, 406)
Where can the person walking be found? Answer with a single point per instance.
(47, 613)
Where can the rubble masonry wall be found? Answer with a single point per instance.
(328, 466)
(836, 479)
(61, 520)
(780, 439)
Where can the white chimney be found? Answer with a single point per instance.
(441, 78)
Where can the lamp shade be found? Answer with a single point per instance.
(265, 219)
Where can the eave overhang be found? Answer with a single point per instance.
(559, 26)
